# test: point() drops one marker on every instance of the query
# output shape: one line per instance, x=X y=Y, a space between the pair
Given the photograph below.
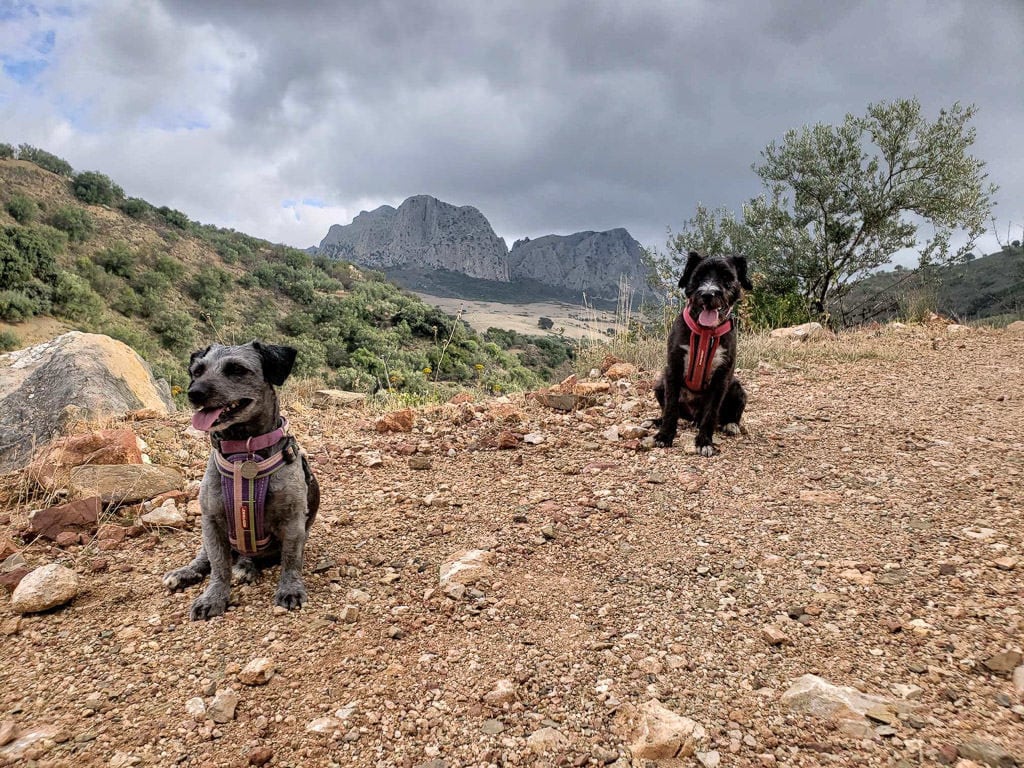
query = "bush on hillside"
x=16 y=307
x=8 y=341
x=75 y=299
x=136 y=207
x=45 y=160
x=75 y=221
x=175 y=330
x=23 y=209
x=173 y=217
x=6 y=151
x=117 y=259
x=96 y=188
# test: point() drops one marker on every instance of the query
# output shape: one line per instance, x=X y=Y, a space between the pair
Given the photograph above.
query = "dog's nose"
x=197 y=393
x=710 y=296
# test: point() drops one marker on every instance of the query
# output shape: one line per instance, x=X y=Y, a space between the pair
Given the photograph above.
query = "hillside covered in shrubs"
x=73 y=247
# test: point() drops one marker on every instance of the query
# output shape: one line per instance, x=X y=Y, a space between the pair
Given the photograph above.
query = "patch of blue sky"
x=23 y=71
x=43 y=42
x=13 y=9
x=307 y=202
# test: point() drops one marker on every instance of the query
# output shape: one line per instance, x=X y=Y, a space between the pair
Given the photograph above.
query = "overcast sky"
x=282 y=118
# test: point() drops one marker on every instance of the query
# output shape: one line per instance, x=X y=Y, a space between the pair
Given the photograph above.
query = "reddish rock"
x=608 y=362
x=406 y=449
x=111 y=532
x=618 y=371
x=396 y=421
x=74 y=516
x=7 y=548
x=12 y=578
x=507 y=440
x=67 y=539
x=98 y=565
x=261 y=756
x=51 y=466
x=504 y=412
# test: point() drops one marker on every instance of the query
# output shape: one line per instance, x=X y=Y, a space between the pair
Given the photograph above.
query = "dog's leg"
x=670 y=406
x=708 y=418
x=732 y=409
x=193 y=573
x=244 y=571
x=214 y=600
x=290 y=591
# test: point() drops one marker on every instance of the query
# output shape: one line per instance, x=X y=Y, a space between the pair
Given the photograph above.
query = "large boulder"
x=72 y=377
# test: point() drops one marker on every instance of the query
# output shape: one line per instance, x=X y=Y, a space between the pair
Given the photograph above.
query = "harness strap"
x=703 y=345
x=244 y=481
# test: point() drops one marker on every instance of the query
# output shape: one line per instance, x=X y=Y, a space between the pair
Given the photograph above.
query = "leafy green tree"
x=842 y=199
x=6 y=151
x=96 y=188
x=117 y=259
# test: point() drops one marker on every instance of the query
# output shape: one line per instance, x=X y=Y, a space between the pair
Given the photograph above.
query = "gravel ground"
x=862 y=517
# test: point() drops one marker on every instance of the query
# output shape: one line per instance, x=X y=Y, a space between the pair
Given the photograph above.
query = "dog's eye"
x=198 y=371
x=234 y=369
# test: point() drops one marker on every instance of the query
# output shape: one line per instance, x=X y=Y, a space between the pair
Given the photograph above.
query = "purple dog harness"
x=244 y=477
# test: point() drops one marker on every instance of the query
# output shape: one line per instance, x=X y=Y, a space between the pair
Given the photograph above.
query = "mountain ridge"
x=425 y=233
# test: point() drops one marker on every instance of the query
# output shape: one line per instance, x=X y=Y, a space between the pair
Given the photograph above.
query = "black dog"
x=698 y=382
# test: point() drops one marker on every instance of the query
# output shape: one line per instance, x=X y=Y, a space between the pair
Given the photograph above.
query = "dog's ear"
x=739 y=263
x=692 y=261
x=196 y=355
x=277 y=361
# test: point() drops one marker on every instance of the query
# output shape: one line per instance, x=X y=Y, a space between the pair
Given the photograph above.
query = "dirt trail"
x=858 y=480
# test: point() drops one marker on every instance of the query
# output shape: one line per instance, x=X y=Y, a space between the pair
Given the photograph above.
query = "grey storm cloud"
x=548 y=117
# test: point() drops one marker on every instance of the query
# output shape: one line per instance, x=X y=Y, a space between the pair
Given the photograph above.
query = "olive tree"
x=842 y=200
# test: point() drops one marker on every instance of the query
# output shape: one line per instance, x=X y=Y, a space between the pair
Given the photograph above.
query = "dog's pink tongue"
x=708 y=318
x=203 y=420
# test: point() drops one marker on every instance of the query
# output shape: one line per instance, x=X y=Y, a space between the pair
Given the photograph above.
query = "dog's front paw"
x=182 y=578
x=663 y=439
x=209 y=604
x=732 y=429
x=244 y=571
x=290 y=596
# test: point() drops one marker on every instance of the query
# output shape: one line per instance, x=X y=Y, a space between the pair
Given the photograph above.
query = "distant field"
x=579 y=322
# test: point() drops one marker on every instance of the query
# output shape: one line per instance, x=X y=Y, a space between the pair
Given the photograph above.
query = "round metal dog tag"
x=249 y=469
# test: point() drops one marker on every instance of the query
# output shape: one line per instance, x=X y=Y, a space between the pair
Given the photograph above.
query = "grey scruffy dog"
x=232 y=389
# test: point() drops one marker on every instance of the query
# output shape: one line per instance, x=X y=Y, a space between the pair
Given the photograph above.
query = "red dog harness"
x=704 y=343
x=244 y=478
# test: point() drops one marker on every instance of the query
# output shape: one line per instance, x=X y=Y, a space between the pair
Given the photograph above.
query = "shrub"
x=173 y=217
x=75 y=299
x=22 y=208
x=96 y=188
x=45 y=160
x=175 y=330
x=29 y=253
x=75 y=221
x=9 y=340
x=136 y=207
x=6 y=151
x=116 y=259
x=16 y=307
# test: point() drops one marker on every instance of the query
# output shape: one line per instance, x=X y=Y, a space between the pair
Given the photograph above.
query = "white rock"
x=611 y=434
x=370 y=458
x=801 y=332
x=504 y=692
x=546 y=740
x=196 y=709
x=709 y=759
x=45 y=588
x=816 y=696
x=465 y=567
x=323 y=725
x=257 y=672
x=222 y=708
x=533 y=438
x=358 y=596
x=661 y=733
x=165 y=516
